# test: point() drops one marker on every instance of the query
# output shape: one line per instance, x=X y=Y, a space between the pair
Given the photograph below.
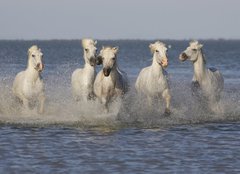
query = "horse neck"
x=87 y=64
x=199 y=67
x=89 y=67
x=156 y=68
x=31 y=74
x=114 y=71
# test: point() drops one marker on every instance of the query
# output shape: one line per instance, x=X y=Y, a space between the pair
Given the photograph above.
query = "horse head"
x=159 y=51
x=90 y=50
x=35 y=57
x=108 y=57
x=192 y=52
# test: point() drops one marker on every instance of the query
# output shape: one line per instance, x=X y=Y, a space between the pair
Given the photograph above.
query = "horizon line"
x=124 y=39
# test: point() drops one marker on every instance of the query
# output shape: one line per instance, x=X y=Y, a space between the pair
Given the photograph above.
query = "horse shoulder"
x=143 y=74
x=19 y=79
x=18 y=83
x=76 y=74
x=76 y=77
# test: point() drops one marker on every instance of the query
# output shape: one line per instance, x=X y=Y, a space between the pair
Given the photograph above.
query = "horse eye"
x=157 y=51
x=86 y=50
x=113 y=58
x=194 y=49
x=33 y=55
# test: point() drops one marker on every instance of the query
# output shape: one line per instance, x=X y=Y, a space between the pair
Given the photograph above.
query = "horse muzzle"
x=92 y=61
x=39 y=67
x=106 y=71
x=164 y=63
x=183 y=57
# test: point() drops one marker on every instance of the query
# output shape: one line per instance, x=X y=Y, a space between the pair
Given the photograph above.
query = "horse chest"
x=156 y=84
x=108 y=86
x=32 y=89
x=87 y=81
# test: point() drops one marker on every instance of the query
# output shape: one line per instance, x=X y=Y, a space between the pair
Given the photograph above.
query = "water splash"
x=132 y=110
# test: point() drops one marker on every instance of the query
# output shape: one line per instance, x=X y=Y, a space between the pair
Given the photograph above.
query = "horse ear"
x=115 y=49
x=102 y=47
x=95 y=43
x=200 y=45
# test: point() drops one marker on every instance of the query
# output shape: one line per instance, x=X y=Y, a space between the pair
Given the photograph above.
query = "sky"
x=119 y=19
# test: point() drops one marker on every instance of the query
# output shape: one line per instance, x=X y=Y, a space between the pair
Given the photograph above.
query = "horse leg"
x=195 y=87
x=105 y=103
x=150 y=103
x=41 y=99
x=166 y=95
x=25 y=104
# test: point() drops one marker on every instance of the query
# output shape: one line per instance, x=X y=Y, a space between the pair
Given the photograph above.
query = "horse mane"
x=86 y=42
x=33 y=48
x=155 y=43
x=203 y=56
x=107 y=47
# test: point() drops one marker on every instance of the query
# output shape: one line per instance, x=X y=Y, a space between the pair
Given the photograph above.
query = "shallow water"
x=73 y=138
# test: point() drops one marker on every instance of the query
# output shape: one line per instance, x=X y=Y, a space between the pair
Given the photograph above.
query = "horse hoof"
x=167 y=112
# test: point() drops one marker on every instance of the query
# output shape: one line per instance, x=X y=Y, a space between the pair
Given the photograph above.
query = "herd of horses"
x=111 y=82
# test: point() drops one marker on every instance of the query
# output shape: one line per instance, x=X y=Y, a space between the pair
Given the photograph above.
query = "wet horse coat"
x=110 y=82
x=206 y=82
x=28 y=85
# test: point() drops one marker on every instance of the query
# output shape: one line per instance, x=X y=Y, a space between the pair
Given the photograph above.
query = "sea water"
x=75 y=137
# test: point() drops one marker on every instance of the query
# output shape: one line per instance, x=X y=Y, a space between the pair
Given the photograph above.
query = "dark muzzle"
x=183 y=57
x=106 y=71
x=92 y=61
x=39 y=67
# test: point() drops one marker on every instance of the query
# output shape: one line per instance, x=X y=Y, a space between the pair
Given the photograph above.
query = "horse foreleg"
x=149 y=101
x=26 y=104
x=166 y=95
x=41 y=99
x=105 y=103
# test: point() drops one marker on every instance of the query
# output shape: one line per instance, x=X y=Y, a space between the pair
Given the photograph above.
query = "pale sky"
x=119 y=19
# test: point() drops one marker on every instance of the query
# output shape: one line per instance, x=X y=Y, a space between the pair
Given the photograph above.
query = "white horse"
x=28 y=85
x=110 y=82
x=83 y=78
x=210 y=81
x=152 y=80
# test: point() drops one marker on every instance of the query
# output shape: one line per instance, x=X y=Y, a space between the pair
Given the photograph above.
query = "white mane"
x=33 y=48
x=156 y=45
x=195 y=44
x=87 y=42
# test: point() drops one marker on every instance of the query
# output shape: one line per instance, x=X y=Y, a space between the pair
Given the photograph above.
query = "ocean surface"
x=75 y=137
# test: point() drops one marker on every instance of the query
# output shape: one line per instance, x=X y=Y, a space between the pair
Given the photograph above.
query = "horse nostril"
x=38 y=65
x=184 y=55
